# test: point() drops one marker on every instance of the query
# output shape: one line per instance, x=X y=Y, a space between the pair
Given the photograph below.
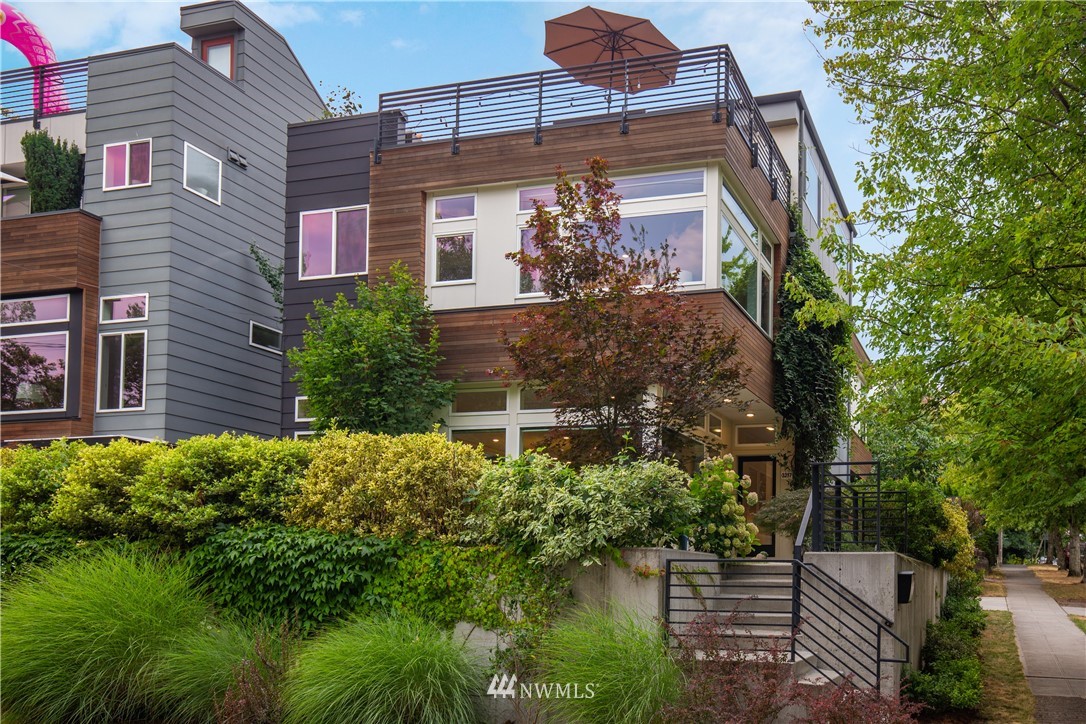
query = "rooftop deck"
x=706 y=78
x=46 y=90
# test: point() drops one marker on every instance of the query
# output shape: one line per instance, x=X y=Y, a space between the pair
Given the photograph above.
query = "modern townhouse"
x=145 y=308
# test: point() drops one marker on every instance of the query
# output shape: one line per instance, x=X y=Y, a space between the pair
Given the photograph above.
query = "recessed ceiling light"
x=750 y=414
x=716 y=430
x=498 y=439
x=770 y=428
x=565 y=437
x=727 y=399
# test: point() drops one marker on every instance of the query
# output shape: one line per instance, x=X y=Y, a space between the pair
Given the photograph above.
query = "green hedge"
x=949 y=678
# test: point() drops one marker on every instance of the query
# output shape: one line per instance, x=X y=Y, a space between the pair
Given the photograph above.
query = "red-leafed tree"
x=628 y=360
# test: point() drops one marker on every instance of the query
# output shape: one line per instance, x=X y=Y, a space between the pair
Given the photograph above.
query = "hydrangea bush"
x=721 y=526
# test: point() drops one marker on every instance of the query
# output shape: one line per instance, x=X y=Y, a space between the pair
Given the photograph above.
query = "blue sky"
x=373 y=47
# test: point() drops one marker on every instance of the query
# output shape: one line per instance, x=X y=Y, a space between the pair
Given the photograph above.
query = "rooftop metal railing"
x=45 y=90
x=706 y=78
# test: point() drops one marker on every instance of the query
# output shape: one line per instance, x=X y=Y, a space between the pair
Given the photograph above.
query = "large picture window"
x=682 y=233
x=34 y=354
x=203 y=174
x=658 y=210
x=746 y=262
x=125 y=165
x=33 y=372
x=122 y=365
x=334 y=242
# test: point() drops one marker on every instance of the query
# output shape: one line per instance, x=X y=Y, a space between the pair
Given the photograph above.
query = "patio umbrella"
x=605 y=41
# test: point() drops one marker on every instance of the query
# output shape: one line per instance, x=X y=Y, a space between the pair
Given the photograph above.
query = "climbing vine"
x=812 y=357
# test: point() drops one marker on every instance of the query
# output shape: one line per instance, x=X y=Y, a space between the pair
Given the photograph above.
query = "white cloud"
x=352 y=17
x=82 y=28
x=406 y=44
x=282 y=15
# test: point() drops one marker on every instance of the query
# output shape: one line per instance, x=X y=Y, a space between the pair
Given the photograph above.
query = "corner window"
x=122 y=365
x=219 y=54
x=746 y=262
x=334 y=242
x=203 y=174
x=265 y=337
x=125 y=165
x=124 y=308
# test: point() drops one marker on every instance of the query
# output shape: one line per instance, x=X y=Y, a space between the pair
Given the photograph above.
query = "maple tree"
x=628 y=361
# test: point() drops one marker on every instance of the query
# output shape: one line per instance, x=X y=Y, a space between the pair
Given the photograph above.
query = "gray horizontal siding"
x=327 y=167
x=190 y=254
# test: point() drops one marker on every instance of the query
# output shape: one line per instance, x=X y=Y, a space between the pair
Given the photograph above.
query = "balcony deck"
x=707 y=78
x=42 y=91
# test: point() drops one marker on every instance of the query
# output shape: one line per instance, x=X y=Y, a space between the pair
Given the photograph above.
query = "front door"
x=762 y=470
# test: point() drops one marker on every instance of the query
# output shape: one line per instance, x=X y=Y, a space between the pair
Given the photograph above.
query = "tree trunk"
x=1052 y=547
x=999 y=554
x=1074 y=567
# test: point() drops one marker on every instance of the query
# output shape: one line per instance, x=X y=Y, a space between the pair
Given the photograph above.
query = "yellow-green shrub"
x=955 y=536
x=29 y=477
x=93 y=500
x=388 y=486
x=212 y=480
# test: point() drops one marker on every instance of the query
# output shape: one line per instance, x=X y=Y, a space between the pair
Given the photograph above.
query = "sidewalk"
x=1052 y=649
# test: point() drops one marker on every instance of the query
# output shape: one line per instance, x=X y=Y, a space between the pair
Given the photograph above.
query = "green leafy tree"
x=340 y=101
x=54 y=172
x=976 y=115
x=812 y=358
x=369 y=366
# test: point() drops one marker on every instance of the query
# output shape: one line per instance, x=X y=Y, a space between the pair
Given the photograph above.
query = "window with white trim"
x=658 y=210
x=123 y=308
x=34 y=354
x=334 y=242
x=126 y=164
x=122 y=368
x=301 y=410
x=202 y=174
x=746 y=261
x=265 y=337
x=453 y=246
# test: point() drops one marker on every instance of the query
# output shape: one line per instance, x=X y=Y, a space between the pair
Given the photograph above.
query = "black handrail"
x=842 y=634
x=700 y=78
x=45 y=90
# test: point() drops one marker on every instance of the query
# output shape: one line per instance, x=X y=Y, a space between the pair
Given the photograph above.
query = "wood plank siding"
x=51 y=253
x=401 y=182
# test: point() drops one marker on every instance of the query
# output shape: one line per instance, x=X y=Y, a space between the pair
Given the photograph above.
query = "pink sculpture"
x=16 y=28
